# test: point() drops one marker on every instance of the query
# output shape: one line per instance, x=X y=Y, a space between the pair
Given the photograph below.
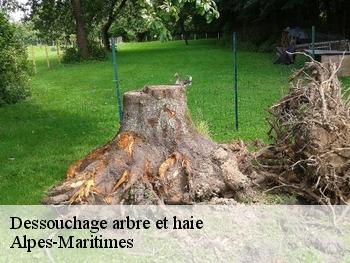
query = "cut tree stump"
x=158 y=157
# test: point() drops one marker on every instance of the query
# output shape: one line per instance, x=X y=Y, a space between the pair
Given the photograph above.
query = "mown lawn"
x=73 y=107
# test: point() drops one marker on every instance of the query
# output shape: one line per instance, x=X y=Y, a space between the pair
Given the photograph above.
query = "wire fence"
x=54 y=50
x=212 y=106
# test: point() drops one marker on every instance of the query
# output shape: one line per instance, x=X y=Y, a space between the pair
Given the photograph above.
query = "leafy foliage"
x=28 y=35
x=97 y=51
x=259 y=21
x=72 y=55
x=53 y=18
x=7 y=6
x=14 y=85
x=130 y=25
x=159 y=14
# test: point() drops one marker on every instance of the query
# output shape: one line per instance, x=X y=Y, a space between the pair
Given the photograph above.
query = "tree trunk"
x=80 y=28
x=157 y=157
x=111 y=17
x=105 y=37
x=183 y=30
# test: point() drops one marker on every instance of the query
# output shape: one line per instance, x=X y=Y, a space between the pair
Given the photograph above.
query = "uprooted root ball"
x=311 y=131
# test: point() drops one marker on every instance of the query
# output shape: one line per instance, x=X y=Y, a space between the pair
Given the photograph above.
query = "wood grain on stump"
x=157 y=157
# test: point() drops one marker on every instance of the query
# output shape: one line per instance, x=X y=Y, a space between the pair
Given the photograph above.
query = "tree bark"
x=158 y=157
x=113 y=11
x=82 y=41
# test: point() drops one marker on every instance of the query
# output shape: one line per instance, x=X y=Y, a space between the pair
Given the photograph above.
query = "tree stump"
x=158 y=157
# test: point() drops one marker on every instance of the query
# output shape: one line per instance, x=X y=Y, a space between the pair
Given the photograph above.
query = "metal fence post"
x=234 y=40
x=116 y=80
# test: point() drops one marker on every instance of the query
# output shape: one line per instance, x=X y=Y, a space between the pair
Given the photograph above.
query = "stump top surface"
x=146 y=89
x=158 y=92
x=162 y=87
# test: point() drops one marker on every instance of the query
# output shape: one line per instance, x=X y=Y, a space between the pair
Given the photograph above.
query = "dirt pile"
x=310 y=128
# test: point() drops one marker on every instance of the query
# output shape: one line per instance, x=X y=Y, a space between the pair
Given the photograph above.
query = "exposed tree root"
x=157 y=157
x=310 y=127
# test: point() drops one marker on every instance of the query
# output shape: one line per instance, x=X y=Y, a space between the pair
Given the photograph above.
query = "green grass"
x=73 y=107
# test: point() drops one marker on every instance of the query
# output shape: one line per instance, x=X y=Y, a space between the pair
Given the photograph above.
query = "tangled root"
x=310 y=128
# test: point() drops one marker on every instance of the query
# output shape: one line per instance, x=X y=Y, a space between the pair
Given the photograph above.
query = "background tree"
x=257 y=21
x=130 y=25
x=185 y=20
x=115 y=8
x=262 y=20
x=82 y=38
x=7 y=6
x=160 y=14
x=52 y=19
x=14 y=85
x=89 y=15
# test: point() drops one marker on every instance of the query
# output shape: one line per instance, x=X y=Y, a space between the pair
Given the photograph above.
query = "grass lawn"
x=73 y=107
